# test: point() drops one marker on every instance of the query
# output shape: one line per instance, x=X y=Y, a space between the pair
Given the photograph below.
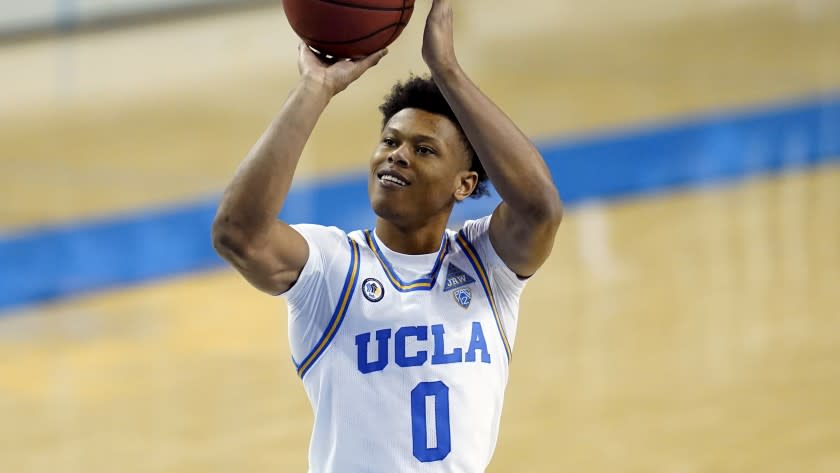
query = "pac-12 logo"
x=463 y=297
x=373 y=290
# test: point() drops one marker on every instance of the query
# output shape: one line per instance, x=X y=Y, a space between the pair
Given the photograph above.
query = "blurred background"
x=687 y=321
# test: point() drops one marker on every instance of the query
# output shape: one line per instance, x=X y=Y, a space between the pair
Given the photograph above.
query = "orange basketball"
x=348 y=28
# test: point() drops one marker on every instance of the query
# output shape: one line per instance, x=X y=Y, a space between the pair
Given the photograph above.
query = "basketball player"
x=402 y=334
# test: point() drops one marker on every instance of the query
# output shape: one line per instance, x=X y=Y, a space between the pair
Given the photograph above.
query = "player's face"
x=419 y=169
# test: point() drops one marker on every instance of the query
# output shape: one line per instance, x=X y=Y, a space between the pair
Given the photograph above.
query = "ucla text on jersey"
x=419 y=333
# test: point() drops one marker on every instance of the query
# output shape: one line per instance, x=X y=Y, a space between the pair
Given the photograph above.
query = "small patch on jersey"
x=456 y=277
x=463 y=297
x=373 y=290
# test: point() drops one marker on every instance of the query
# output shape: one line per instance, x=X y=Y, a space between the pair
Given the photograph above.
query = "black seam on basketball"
x=347 y=41
x=397 y=30
x=362 y=7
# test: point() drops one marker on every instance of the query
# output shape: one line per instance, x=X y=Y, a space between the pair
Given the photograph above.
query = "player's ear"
x=465 y=184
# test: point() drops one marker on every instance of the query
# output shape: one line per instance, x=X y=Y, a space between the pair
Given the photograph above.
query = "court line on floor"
x=53 y=262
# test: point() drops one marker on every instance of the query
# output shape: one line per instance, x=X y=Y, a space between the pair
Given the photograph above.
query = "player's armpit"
x=271 y=262
x=523 y=241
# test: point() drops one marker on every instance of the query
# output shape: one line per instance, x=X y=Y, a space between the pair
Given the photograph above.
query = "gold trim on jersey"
x=476 y=263
x=340 y=310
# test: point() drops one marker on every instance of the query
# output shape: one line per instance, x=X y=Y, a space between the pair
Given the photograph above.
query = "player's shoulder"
x=472 y=237
x=473 y=230
x=320 y=234
x=473 y=241
x=329 y=244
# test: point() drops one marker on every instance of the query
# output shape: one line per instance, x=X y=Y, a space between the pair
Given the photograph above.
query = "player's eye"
x=425 y=150
x=389 y=142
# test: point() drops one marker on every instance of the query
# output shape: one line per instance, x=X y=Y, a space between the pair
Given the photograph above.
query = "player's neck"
x=411 y=240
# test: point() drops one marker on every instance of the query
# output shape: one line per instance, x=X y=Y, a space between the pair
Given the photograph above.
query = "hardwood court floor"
x=690 y=332
x=697 y=332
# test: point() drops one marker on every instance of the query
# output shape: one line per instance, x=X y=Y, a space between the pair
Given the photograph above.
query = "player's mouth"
x=392 y=180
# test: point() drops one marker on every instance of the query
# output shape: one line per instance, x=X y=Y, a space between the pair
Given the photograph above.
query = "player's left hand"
x=438 y=39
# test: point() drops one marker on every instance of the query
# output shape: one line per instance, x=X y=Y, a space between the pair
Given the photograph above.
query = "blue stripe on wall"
x=53 y=262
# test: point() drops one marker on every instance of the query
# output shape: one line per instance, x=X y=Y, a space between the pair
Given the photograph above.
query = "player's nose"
x=399 y=156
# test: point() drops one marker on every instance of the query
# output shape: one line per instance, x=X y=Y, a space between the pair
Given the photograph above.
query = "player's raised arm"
x=523 y=227
x=246 y=232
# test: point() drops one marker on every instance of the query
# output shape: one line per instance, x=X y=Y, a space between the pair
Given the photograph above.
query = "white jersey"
x=404 y=357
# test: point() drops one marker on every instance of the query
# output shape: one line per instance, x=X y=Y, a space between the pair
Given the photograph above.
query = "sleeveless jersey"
x=409 y=375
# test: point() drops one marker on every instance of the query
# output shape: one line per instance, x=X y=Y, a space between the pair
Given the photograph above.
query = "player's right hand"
x=334 y=77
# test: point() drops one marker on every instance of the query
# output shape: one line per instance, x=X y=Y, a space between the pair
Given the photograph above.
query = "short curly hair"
x=422 y=93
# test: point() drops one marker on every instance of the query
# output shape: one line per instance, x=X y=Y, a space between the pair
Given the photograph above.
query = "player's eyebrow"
x=416 y=136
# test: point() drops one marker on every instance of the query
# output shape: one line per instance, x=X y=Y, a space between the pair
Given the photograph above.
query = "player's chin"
x=387 y=207
x=394 y=208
